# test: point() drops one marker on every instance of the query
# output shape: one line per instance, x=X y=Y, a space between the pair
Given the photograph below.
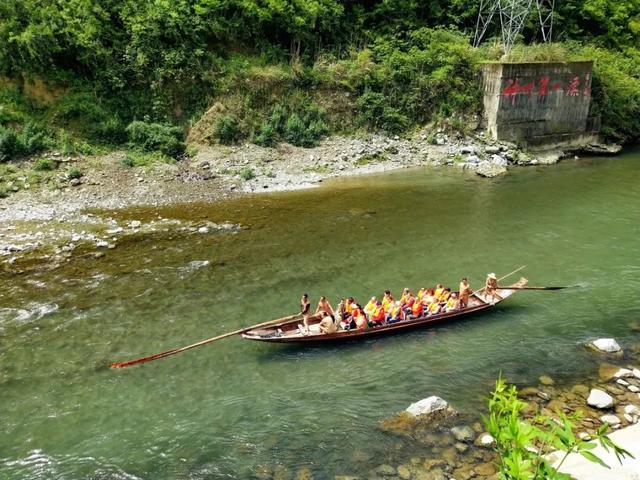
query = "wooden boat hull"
x=288 y=332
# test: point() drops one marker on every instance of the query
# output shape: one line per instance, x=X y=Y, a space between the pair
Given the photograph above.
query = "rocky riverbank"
x=456 y=446
x=74 y=185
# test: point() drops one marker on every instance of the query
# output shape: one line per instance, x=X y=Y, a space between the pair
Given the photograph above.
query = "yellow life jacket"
x=433 y=308
x=369 y=307
x=438 y=293
x=445 y=296
x=378 y=313
x=386 y=303
x=451 y=304
x=348 y=308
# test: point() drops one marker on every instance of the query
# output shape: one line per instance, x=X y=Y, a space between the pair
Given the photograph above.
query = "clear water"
x=232 y=408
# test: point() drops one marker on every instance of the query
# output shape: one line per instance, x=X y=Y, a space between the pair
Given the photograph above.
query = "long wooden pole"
x=202 y=342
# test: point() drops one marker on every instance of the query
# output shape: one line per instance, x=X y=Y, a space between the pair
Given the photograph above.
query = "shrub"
x=144 y=159
x=266 y=135
x=374 y=111
x=74 y=173
x=33 y=139
x=306 y=128
x=44 y=165
x=152 y=137
x=227 y=130
x=521 y=445
x=10 y=145
x=4 y=191
x=247 y=173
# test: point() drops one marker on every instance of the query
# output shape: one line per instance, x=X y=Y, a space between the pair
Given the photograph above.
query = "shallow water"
x=232 y=408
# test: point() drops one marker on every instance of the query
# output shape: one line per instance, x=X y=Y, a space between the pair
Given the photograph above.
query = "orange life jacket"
x=378 y=314
x=416 y=309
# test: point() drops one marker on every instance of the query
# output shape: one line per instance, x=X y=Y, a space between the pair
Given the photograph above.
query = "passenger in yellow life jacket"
x=445 y=295
x=439 y=291
x=452 y=304
x=434 y=308
x=406 y=293
x=348 y=307
x=369 y=307
x=421 y=293
x=377 y=316
x=387 y=301
x=396 y=313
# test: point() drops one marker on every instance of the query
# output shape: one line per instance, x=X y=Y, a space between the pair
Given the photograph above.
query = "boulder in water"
x=490 y=170
x=606 y=345
x=427 y=406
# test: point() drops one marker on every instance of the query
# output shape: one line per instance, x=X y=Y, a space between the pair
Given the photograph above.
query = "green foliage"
x=44 y=165
x=521 y=445
x=74 y=173
x=30 y=140
x=374 y=111
x=152 y=137
x=247 y=173
x=227 y=130
x=9 y=144
x=137 y=158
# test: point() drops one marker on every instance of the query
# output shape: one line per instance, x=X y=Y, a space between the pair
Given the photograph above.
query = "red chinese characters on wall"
x=544 y=87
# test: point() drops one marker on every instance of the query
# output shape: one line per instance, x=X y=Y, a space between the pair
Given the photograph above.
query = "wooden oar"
x=203 y=342
x=540 y=288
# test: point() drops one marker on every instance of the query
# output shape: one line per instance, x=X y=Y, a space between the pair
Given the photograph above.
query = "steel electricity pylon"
x=512 y=15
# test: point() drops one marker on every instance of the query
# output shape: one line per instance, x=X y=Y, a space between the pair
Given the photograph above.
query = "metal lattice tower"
x=512 y=15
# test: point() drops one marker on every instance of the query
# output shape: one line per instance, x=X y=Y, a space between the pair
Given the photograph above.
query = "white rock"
x=463 y=433
x=203 y=230
x=468 y=149
x=636 y=373
x=135 y=224
x=610 y=419
x=623 y=373
x=492 y=149
x=608 y=345
x=634 y=389
x=498 y=160
x=485 y=440
x=473 y=159
x=599 y=399
x=628 y=418
x=102 y=244
x=631 y=410
x=622 y=382
x=427 y=406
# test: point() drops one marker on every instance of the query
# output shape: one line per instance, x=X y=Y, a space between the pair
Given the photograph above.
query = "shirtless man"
x=305 y=305
x=465 y=291
x=324 y=307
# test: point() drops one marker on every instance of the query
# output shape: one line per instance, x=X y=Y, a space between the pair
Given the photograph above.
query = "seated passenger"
x=421 y=294
x=396 y=314
x=348 y=307
x=439 y=290
x=429 y=296
x=434 y=308
x=405 y=296
x=408 y=305
x=453 y=303
x=416 y=309
x=377 y=316
x=327 y=325
x=359 y=318
x=445 y=295
x=369 y=307
x=387 y=300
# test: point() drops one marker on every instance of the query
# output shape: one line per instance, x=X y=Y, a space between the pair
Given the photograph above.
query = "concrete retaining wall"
x=539 y=103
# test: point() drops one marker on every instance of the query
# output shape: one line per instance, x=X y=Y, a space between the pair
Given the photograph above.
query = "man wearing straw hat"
x=490 y=287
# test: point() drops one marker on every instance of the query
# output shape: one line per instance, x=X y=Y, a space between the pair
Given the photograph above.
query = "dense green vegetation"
x=521 y=444
x=235 y=70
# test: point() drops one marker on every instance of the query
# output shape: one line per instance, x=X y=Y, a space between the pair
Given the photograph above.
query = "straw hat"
x=492 y=276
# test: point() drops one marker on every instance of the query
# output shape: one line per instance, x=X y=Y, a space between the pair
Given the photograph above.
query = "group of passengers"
x=350 y=315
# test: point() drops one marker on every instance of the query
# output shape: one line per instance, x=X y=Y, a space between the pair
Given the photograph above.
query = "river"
x=236 y=408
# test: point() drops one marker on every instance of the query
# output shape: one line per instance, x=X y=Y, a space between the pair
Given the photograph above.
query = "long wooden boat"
x=291 y=331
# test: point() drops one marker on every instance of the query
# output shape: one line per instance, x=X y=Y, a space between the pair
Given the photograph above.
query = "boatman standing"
x=490 y=287
x=465 y=291
x=305 y=305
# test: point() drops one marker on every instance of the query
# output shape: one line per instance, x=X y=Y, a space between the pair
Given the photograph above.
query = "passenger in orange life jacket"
x=416 y=309
x=377 y=316
x=359 y=318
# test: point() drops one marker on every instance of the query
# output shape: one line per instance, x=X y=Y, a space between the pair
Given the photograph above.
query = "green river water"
x=232 y=408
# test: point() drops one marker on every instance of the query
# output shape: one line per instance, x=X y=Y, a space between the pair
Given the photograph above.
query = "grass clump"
x=156 y=137
x=247 y=173
x=136 y=158
x=44 y=165
x=227 y=130
x=74 y=173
